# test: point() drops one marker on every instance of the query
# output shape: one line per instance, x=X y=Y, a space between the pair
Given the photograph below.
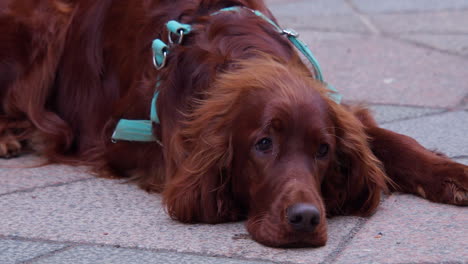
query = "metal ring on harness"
x=181 y=37
x=163 y=63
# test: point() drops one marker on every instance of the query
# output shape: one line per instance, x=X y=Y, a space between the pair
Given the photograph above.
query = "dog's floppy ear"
x=199 y=185
x=355 y=180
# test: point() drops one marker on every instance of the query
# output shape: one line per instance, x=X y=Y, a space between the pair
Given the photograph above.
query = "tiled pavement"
x=407 y=59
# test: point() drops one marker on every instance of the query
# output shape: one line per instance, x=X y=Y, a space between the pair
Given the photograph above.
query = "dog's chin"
x=282 y=236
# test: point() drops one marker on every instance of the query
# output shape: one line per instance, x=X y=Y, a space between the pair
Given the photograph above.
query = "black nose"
x=303 y=217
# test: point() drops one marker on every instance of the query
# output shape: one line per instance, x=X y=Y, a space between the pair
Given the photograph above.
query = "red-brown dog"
x=245 y=131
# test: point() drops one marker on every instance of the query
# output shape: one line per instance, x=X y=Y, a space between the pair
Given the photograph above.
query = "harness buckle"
x=290 y=32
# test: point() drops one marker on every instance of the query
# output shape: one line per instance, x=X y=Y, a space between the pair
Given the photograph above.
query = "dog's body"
x=244 y=134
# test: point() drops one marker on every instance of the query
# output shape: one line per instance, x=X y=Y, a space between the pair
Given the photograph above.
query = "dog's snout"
x=303 y=217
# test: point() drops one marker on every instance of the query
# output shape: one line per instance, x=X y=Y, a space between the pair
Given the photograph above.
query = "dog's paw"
x=451 y=185
x=10 y=147
x=458 y=193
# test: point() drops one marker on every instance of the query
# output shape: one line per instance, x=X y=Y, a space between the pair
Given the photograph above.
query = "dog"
x=240 y=128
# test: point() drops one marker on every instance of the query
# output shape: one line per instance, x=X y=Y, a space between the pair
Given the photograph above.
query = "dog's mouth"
x=277 y=231
x=295 y=217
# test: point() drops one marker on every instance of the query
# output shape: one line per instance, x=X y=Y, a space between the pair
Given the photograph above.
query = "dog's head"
x=267 y=144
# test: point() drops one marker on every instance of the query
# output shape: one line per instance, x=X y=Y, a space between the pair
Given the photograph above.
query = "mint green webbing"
x=134 y=130
x=142 y=130
x=138 y=130
x=301 y=46
x=154 y=111
x=159 y=47
x=175 y=27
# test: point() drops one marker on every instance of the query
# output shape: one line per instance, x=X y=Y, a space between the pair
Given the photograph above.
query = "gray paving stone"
x=333 y=23
x=24 y=161
x=462 y=160
x=23 y=173
x=452 y=43
x=309 y=8
x=373 y=6
x=464 y=103
x=318 y=15
x=445 y=132
x=407 y=229
x=389 y=113
x=107 y=212
x=316 y=40
x=12 y=251
x=106 y=255
x=372 y=69
x=435 y=22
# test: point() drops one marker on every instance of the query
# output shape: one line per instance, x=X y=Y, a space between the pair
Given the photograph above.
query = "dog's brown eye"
x=264 y=144
x=322 y=150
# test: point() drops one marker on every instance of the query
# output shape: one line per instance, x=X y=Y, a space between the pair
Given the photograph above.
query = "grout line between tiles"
x=414 y=117
x=345 y=241
x=363 y=18
x=71 y=244
x=47 y=255
x=29 y=190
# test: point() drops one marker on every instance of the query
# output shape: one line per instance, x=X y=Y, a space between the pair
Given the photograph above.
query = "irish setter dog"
x=245 y=130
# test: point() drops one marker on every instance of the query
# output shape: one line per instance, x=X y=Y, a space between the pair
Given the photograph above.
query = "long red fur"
x=69 y=70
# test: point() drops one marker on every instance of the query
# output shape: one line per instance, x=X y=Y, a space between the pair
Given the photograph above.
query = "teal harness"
x=142 y=130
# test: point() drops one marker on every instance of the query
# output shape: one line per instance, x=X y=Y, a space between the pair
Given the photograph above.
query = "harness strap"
x=179 y=29
x=160 y=52
x=154 y=111
x=134 y=130
x=293 y=37
x=176 y=27
x=142 y=130
x=139 y=130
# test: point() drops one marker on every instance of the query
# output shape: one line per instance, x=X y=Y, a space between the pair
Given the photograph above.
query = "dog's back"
x=64 y=66
x=71 y=69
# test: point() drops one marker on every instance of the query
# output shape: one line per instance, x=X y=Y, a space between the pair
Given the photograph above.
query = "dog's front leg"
x=416 y=170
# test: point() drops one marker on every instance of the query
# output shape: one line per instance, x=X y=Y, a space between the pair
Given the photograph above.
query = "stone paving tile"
x=462 y=160
x=23 y=173
x=373 y=6
x=24 y=161
x=106 y=212
x=322 y=15
x=438 y=22
x=407 y=229
x=309 y=8
x=106 y=255
x=451 y=43
x=389 y=113
x=12 y=251
x=386 y=71
x=445 y=132
x=332 y=23
x=321 y=22
x=464 y=103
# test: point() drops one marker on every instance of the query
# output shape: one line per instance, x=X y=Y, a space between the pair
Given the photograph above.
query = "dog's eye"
x=264 y=144
x=322 y=150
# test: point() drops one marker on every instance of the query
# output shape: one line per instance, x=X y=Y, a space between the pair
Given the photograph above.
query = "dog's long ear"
x=199 y=187
x=355 y=180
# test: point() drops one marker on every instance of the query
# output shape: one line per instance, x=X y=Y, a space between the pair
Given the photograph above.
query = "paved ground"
x=407 y=58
